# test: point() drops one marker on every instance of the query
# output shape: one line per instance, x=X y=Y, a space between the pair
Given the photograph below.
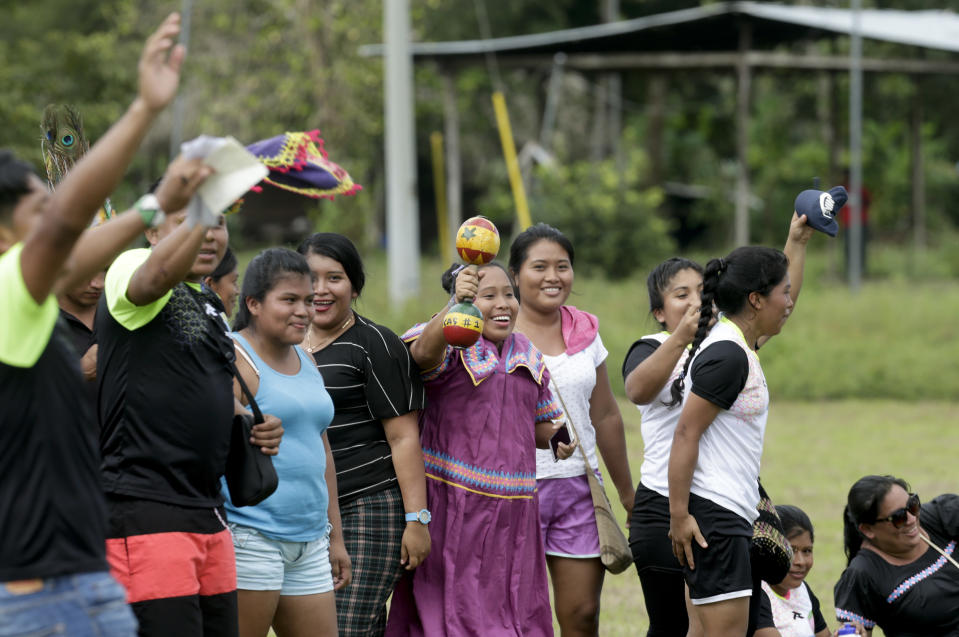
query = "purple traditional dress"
x=486 y=571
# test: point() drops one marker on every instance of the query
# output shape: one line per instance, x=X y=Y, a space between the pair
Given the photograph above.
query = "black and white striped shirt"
x=371 y=377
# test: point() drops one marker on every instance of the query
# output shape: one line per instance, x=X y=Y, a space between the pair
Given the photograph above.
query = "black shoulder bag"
x=250 y=474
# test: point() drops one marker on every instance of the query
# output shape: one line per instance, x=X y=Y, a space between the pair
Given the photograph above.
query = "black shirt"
x=83 y=338
x=638 y=352
x=52 y=515
x=371 y=377
x=917 y=599
x=166 y=401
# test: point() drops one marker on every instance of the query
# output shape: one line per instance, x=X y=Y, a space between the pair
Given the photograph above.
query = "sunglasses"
x=899 y=516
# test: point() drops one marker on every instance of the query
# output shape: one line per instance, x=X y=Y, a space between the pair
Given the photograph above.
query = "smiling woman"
x=283 y=545
x=541 y=259
x=488 y=407
x=902 y=575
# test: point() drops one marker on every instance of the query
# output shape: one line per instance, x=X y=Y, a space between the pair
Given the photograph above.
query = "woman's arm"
x=611 y=436
x=403 y=436
x=645 y=382
x=97 y=247
x=698 y=413
x=795 y=250
x=430 y=348
x=339 y=558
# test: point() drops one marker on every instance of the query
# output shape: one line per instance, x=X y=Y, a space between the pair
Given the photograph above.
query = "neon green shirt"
x=118 y=280
x=25 y=326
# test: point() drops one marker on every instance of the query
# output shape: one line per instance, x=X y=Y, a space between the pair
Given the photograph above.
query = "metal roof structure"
x=709 y=28
x=738 y=36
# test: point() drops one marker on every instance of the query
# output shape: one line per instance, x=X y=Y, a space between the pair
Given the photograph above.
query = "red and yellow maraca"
x=477 y=243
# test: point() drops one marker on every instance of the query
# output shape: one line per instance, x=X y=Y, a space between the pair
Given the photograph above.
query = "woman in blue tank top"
x=283 y=544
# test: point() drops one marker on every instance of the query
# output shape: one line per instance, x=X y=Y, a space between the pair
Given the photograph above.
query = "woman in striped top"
x=377 y=394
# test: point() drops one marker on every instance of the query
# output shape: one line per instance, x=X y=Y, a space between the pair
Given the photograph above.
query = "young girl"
x=283 y=544
x=714 y=461
x=653 y=361
x=541 y=260
x=377 y=395
x=488 y=406
x=795 y=610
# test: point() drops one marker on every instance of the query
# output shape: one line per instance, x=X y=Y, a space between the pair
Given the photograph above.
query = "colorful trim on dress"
x=846 y=615
x=921 y=575
x=445 y=468
x=480 y=360
x=548 y=410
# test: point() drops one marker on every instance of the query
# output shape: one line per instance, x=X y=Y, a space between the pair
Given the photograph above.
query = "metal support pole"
x=402 y=219
x=179 y=105
x=855 y=149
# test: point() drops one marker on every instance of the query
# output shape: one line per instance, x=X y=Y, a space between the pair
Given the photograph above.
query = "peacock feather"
x=63 y=144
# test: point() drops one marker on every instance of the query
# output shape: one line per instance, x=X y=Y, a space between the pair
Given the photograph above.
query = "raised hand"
x=159 y=67
x=467 y=284
x=180 y=181
x=799 y=231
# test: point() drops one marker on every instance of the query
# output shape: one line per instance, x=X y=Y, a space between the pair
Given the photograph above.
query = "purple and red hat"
x=299 y=163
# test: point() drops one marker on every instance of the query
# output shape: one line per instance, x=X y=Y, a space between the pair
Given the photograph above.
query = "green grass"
x=813 y=454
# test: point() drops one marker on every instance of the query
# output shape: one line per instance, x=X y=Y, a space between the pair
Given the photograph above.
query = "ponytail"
x=852 y=539
x=710 y=281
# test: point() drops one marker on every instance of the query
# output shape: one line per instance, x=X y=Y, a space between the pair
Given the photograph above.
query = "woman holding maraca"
x=488 y=406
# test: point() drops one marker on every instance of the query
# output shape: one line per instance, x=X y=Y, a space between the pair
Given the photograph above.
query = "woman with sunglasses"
x=902 y=575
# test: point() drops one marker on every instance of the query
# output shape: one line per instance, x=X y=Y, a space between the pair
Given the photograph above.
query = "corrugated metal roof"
x=713 y=28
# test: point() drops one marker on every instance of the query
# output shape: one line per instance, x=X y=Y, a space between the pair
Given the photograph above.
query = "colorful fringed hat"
x=298 y=163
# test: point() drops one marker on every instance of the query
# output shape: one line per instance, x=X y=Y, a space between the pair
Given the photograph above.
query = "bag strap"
x=246 y=356
x=938 y=550
x=257 y=414
x=569 y=419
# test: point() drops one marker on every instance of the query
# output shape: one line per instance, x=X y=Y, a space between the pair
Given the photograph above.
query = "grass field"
x=813 y=454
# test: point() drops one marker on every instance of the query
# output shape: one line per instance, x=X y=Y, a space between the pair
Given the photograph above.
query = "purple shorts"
x=566 y=518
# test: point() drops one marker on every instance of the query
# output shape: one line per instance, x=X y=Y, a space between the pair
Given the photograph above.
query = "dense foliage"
x=259 y=67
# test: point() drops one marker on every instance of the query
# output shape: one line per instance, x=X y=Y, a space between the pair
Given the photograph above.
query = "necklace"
x=310 y=347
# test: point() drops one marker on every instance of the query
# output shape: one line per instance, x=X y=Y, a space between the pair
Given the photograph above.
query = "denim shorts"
x=293 y=568
x=88 y=604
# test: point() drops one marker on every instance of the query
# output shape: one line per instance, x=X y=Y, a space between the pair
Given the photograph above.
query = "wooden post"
x=741 y=225
x=454 y=165
x=447 y=248
x=656 y=110
x=918 y=171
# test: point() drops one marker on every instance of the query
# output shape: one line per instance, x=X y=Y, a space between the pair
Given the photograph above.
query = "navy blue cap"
x=821 y=208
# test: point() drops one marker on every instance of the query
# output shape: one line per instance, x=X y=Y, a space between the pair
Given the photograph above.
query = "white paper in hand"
x=237 y=170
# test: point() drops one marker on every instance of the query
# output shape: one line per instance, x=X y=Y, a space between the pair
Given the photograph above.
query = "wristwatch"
x=422 y=516
x=149 y=208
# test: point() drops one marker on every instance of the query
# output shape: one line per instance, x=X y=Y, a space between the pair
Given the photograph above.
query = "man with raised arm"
x=53 y=571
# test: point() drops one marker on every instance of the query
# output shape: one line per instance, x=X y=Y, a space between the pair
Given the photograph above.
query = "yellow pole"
x=439 y=188
x=512 y=163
